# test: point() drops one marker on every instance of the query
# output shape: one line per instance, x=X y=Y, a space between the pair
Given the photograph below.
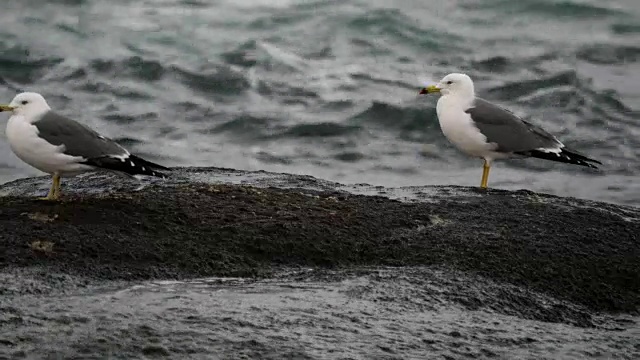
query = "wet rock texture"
x=584 y=252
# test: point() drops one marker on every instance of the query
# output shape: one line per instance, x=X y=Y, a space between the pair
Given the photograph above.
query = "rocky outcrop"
x=220 y=222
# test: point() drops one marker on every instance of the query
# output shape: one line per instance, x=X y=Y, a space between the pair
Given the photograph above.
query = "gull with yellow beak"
x=482 y=129
x=60 y=146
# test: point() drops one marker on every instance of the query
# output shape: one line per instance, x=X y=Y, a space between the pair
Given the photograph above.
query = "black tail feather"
x=131 y=165
x=565 y=156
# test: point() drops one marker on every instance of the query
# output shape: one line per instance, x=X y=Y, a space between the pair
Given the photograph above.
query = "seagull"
x=485 y=130
x=60 y=146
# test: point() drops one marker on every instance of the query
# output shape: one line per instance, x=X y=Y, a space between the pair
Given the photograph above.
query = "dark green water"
x=328 y=88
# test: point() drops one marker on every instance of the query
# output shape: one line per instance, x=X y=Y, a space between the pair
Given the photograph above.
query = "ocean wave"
x=19 y=65
x=394 y=117
x=134 y=67
x=609 y=54
x=526 y=87
x=625 y=28
x=325 y=129
x=125 y=119
x=393 y=24
x=215 y=79
x=119 y=90
x=548 y=8
x=246 y=126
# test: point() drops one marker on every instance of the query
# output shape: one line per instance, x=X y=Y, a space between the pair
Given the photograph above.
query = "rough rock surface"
x=221 y=222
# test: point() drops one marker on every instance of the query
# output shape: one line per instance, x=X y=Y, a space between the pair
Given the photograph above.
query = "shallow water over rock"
x=387 y=313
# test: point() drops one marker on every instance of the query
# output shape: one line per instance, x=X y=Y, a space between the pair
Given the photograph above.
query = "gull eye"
x=449 y=82
x=24 y=102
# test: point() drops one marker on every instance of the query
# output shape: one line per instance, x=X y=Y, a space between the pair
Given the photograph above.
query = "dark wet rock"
x=219 y=222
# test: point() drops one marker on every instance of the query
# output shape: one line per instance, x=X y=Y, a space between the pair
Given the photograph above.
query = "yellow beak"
x=429 y=90
x=6 y=108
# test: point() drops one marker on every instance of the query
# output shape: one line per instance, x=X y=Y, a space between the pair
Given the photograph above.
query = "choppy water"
x=366 y=314
x=328 y=88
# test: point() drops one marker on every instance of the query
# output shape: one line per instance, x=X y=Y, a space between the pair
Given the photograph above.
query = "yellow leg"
x=56 y=183
x=485 y=174
x=54 y=191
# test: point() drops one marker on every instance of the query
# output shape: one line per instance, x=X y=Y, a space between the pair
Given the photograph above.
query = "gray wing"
x=78 y=139
x=509 y=132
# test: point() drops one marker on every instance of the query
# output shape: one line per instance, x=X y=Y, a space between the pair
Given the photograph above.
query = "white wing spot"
x=131 y=163
x=556 y=151
x=144 y=169
x=122 y=157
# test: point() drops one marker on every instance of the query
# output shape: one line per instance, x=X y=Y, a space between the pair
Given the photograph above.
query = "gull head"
x=454 y=84
x=28 y=104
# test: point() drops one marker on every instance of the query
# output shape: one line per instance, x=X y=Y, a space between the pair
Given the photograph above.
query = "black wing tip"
x=587 y=164
x=564 y=156
x=580 y=159
x=131 y=165
x=148 y=163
